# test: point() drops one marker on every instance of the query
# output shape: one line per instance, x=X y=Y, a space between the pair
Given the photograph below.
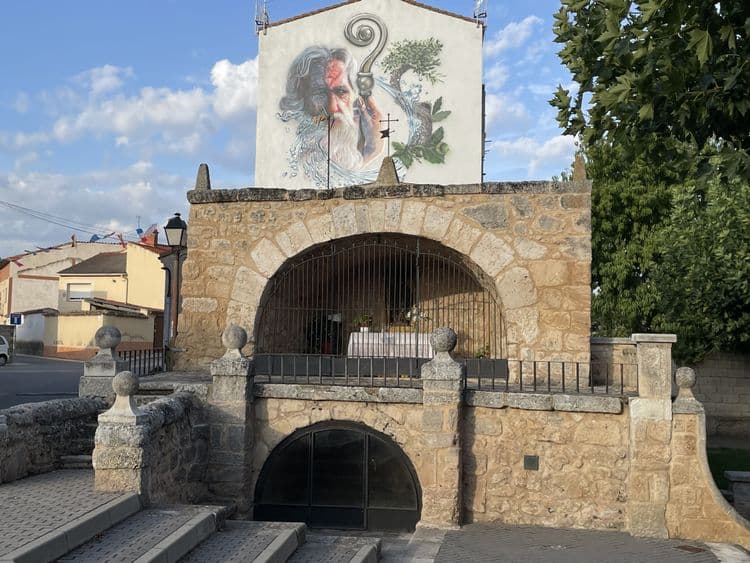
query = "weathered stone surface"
x=267 y=257
x=586 y=403
x=199 y=304
x=154 y=453
x=492 y=254
x=436 y=222
x=490 y=215
x=33 y=436
x=516 y=288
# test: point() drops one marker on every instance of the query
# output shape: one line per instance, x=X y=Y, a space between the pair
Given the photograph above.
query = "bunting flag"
x=122 y=240
x=385 y=133
x=145 y=236
x=95 y=238
x=18 y=263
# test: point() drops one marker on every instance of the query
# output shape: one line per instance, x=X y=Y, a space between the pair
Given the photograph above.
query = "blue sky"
x=107 y=108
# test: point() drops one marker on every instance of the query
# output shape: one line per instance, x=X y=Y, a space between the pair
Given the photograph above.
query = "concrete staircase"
x=122 y=531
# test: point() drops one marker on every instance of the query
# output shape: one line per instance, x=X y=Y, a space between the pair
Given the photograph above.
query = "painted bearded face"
x=345 y=131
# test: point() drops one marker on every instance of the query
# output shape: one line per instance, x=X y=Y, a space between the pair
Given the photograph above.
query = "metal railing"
x=482 y=374
x=144 y=362
x=555 y=376
x=321 y=369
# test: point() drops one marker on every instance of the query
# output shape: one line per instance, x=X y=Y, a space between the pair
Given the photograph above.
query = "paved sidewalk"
x=35 y=506
x=480 y=543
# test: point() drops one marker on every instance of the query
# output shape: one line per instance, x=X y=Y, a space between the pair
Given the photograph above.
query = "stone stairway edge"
x=283 y=545
x=187 y=537
x=70 y=535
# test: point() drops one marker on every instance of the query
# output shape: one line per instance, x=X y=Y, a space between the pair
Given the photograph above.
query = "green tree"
x=702 y=279
x=659 y=69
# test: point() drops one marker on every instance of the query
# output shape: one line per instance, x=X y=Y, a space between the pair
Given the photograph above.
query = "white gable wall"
x=459 y=86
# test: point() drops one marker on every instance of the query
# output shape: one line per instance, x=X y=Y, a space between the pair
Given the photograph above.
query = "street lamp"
x=176 y=231
x=176 y=234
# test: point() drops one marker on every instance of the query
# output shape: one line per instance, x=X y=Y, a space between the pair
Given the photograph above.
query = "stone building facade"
x=531 y=239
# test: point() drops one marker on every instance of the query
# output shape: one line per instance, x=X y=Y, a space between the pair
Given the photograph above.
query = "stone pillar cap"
x=655 y=338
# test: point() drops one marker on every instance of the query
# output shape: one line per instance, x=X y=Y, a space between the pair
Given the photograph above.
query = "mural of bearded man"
x=320 y=85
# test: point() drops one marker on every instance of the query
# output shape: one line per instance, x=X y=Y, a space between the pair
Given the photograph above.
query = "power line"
x=60 y=221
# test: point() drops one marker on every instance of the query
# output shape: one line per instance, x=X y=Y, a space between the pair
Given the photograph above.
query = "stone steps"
x=75 y=462
x=163 y=534
x=276 y=542
x=334 y=549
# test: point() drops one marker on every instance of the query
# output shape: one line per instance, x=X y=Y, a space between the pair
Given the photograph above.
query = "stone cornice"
x=197 y=197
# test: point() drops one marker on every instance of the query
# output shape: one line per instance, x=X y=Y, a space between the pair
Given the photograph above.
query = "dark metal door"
x=339 y=476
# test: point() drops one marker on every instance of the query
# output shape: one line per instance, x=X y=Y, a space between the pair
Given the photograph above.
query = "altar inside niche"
x=374 y=296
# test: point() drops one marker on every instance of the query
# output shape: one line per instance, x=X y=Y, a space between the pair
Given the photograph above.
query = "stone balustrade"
x=34 y=436
x=159 y=450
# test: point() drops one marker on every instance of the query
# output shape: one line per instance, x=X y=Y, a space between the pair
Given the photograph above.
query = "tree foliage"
x=664 y=69
x=702 y=278
x=422 y=56
x=663 y=115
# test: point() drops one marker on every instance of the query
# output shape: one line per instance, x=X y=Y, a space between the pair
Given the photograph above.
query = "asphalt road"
x=30 y=379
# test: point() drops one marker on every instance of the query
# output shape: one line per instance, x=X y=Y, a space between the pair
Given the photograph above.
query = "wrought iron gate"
x=365 y=306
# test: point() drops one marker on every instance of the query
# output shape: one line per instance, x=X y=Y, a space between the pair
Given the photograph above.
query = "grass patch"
x=727 y=459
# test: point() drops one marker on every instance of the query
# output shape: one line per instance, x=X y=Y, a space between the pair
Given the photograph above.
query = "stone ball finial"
x=125 y=384
x=443 y=339
x=107 y=337
x=685 y=378
x=234 y=337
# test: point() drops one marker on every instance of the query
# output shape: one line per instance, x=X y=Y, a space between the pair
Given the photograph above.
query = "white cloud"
x=236 y=87
x=108 y=199
x=104 y=79
x=555 y=152
x=161 y=119
x=502 y=109
x=512 y=36
x=496 y=76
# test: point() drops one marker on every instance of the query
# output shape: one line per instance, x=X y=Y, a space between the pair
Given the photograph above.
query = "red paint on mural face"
x=339 y=91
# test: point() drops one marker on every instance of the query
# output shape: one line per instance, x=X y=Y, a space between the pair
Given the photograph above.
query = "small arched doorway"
x=339 y=475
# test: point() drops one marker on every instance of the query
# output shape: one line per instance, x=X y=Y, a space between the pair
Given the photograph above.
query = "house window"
x=79 y=291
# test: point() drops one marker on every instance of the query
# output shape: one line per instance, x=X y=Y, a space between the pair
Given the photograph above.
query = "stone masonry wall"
x=33 y=436
x=583 y=466
x=532 y=238
x=163 y=458
x=696 y=508
x=723 y=386
x=277 y=418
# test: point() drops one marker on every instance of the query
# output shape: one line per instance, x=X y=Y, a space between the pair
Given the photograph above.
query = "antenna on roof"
x=480 y=12
x=261 y=17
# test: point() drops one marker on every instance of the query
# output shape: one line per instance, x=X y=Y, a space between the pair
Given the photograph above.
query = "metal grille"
x=364 y=308
x=144 y=362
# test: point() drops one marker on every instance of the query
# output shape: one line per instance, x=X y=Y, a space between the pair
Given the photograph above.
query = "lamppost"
x=176 y=233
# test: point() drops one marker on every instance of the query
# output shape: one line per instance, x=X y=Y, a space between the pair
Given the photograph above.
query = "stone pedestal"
x=100 y=370
x=119 y=458
x=231 y=415
x=650 y=437
x=442 y=383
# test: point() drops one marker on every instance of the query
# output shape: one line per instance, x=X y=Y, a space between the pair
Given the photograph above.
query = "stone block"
x=412 y=217
x=550 y=273
x=321 y=228
x=295 y=239
x=528 y=249
x=647 y=520
x=248 y=286
x=461 y=236
x=490 y=216
x=267 y=257
x=516 y=288
x=436 y=223
x=199 y=304
x=492 y=254
x=392 y=215
x=432 y=420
